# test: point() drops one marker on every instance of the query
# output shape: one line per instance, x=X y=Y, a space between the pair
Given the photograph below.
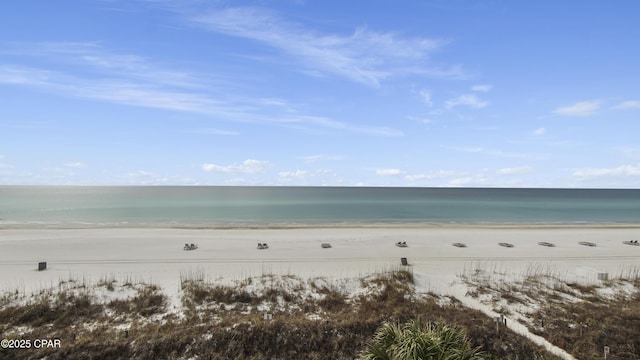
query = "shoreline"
x=329 y=225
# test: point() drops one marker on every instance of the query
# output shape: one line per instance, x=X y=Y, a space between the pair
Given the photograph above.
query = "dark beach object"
x=262 y=246
x=190 y=246
x=631 y=242
x=325 y=245
x=586 y=243
x=547 y=244
x=459 y=245
x=401 y=244
x=404 y=262
x=42 y=266
x=506 y=244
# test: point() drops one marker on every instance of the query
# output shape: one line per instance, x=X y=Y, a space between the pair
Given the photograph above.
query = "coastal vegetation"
x=420 y=340
x=580 y=317
x=287 y=317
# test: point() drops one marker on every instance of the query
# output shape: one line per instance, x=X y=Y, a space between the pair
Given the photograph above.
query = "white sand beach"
x=227 y=256
x=157 y=255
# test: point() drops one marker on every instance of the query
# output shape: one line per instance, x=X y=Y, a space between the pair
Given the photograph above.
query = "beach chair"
x=586 y=243
x=404 y=261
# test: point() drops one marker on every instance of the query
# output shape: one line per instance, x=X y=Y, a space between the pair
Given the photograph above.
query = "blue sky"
x=300 y=92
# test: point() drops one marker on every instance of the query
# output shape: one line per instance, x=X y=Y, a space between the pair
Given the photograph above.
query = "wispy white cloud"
x=470 y=100
x=4 y=165
x=129 y=80
x=423 y=120
x=425 y=95
x=629 y=151
x=376 y=131
x=388 y=172
x=147 y=178
x=500 y=153
x=76 y=164
x=98 y=59
x=539 y=131
x=299 y=174
x=212 y=131
x=440 y=174
x=521 y=170
x=141 y=175
x=249 y=166
x=115 y=89
x=629 y=104
x=152 y=97
x=19 y=75
x=478 y=180
x=482 y=88
x=321 y=157
x=306 y=177
x=279 y=103
x=583 y=108
x=364 y=56
x=311 y=122
x=457 y=182
x=623 y=170
x=470 y=149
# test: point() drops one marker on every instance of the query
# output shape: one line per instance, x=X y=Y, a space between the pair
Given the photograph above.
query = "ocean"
x=219 y=206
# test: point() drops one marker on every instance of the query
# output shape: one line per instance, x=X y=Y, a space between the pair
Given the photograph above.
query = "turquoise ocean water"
x=175 y=206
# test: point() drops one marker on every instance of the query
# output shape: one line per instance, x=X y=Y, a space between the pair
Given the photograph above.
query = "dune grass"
x=580 y=317
x=311 y=319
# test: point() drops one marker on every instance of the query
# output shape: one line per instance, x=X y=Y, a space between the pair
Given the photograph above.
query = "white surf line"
x=458 y=291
